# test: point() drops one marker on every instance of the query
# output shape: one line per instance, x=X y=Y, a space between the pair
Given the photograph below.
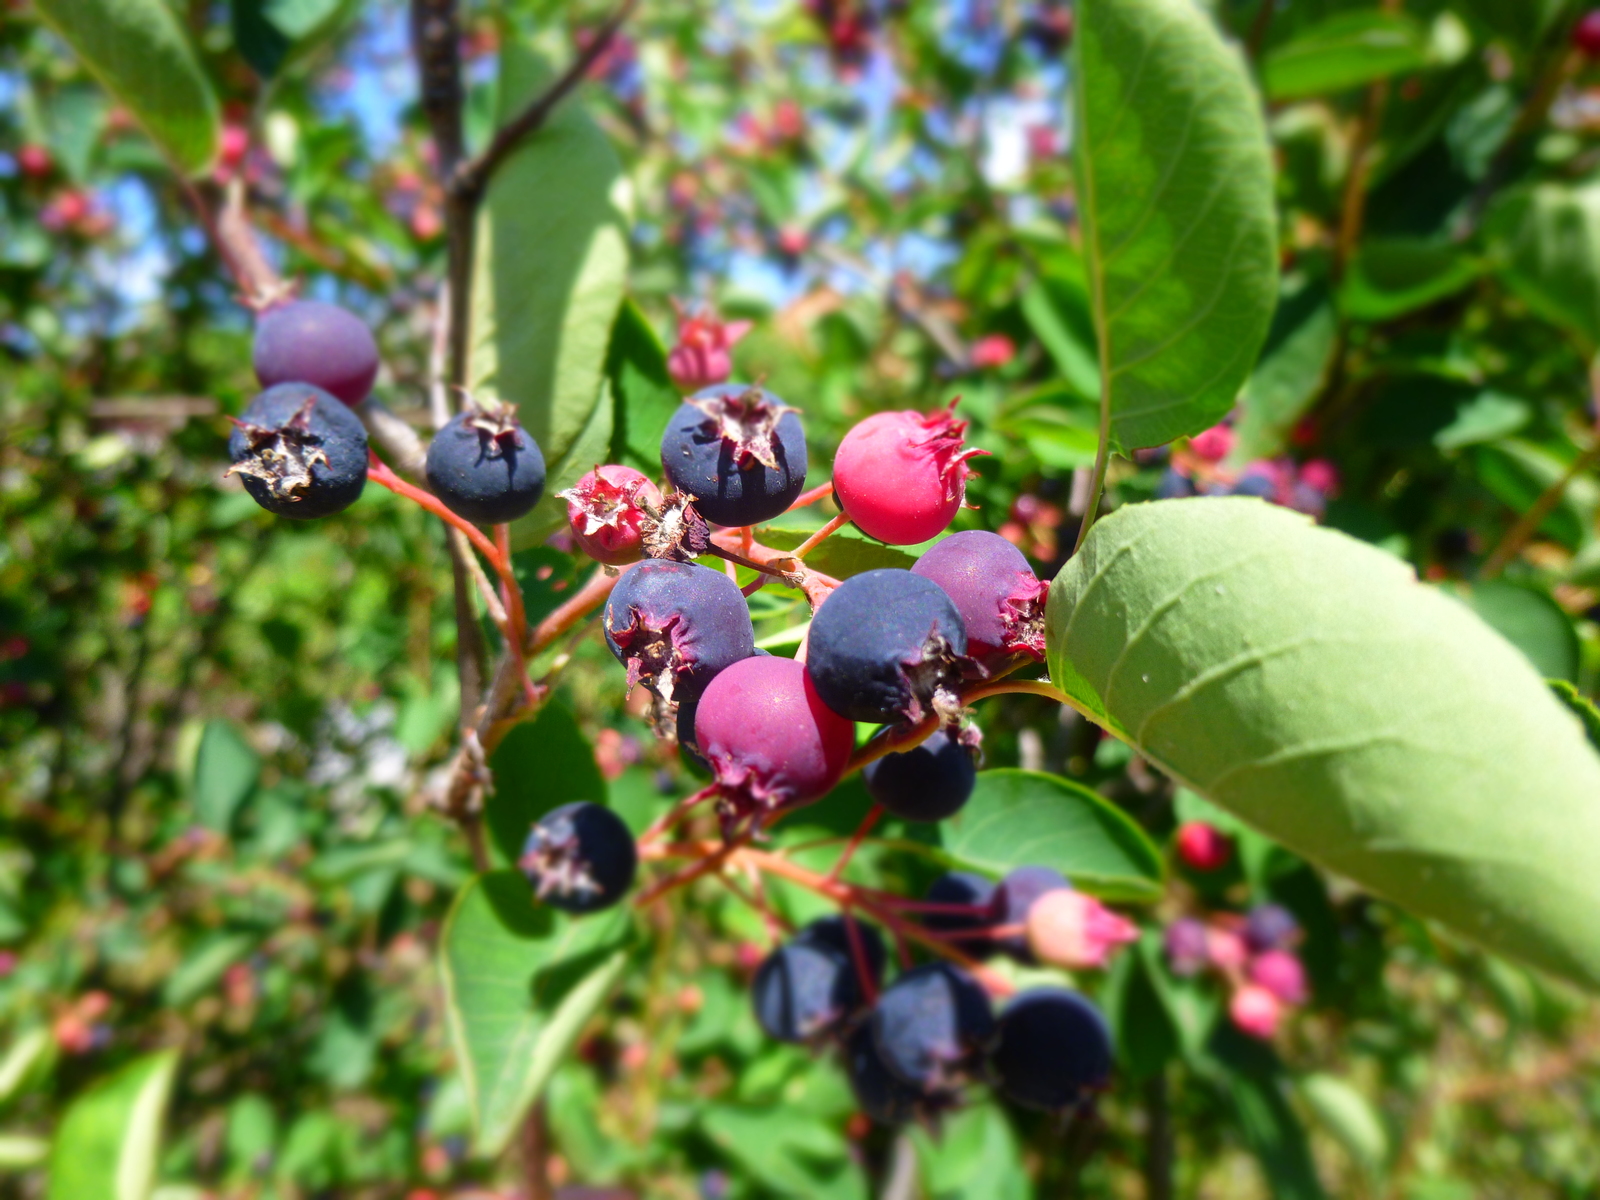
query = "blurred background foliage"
x=216 y=729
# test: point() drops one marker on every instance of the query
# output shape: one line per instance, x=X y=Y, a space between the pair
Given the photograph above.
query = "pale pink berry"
x=1280 y=973
x=1212 y=445
x=1255 y=1011
x=995 y=350
x=1203 y=846
x=1226 y=949
x=902 y=476
x=1069 y=929
x=1321 y=474
x=606 y=508
x=703 y=354
x=1186 y=942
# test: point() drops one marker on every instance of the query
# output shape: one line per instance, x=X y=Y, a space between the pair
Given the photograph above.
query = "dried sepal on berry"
x=747 y=422
x=943 y=438
x=282 y=458
x=674 y=530
x=1022 y=613
x=495 y=418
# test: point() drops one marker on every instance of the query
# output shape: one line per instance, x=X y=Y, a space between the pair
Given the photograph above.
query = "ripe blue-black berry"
x=1000 y=599
x=307 y=341
x=1052 y=1050
x=1175 y=485
x=977 y=895
x=300 y=452
x=932 y=1026
x=485 y=466
x=1014 y=900
x=579 y=857
x=926 y=783
x=885 y=646
x=1270 y=927
x=883 y=1097
x=810 y=986
x=676 y=625
x=738 y=450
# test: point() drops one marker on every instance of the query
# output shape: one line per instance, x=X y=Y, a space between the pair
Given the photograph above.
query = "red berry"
x=34 y=161
x=1586 y=34
x=995 y=350
x=1212 y=445
x=605 y=509
x=1204 y=847
x=1281 y=973
x=1255 y=1011
x=770 y=740
x=901 y=476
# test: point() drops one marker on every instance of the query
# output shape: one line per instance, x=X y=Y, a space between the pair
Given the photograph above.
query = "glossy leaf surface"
x=109 y=1140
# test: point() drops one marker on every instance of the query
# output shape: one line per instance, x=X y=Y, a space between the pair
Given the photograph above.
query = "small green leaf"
x=551 y=256
x=109 y=1139
x=976 y=1156
x=203 y=966
x=1179 y=226
x=1146 y=1033
x=1345 y=51
x=1024 y=818
x=225 y=773
x=1531 y=621
x=1299 y=352
x=1487 y=417
x=1391 y=277
x=636 y=364
x=1306 y=682
x=32 y=1053
x=793 y=1154
x=540 y=765
x=1349 y=1118
x=1546 y=240
x=139 y=52
x=521 y=980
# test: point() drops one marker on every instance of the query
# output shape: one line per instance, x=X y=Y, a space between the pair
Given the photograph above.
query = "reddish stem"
x=821 y=492
x=874 y=815
x=858 y=953
x=821 y=535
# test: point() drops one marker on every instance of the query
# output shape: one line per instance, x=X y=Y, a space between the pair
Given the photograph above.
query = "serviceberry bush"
x=954 y=599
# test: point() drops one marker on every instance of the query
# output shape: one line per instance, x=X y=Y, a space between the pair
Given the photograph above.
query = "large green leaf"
x=1175 y=188
x=1306 y=682
x=1547 y=243
x=521 y=980
x=139 y=52
x=1345 y=51
x=1021 y=818
x=551 y=259
x=110 y=1138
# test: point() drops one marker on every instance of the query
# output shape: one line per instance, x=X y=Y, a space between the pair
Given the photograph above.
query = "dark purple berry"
x=688 y=748
x=973 y=892
x=884 y=1098
x=926 y=783
x=676 y=625
x=1052 y=1050
x=885 y=646
x=932 y=1026
x=307 y=341
x=739 y=451
x=485 y=466
x=1270 y=927
x=579 y=857
x=1257 y=484
x=1187 y=946
x=1014 y=900
x=1175 y=485
x=810 y=986
x=1000 y=599
x=299 y=452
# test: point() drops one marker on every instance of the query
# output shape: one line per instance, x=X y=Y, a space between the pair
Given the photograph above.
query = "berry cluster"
x=1201 y=469
x=902 y=649
x=1254 y=954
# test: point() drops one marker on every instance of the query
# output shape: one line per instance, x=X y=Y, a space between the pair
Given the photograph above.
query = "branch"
x=471 y=178
x=1517 y=536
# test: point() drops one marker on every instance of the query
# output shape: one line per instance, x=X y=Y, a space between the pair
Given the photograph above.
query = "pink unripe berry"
x=1226 y=949
x=901 y=476
x=1212 y=445
x=1321 y=474
x=1255 y=1011
x=995 y=350
x=232 y=145
x=1186 y=943
x=1203 y=847
x=34 y=161
x=1280 y=973
x=703 y=354
x=1069 y=929
x=605 y=510
x=1586 y=34
x=769 y=739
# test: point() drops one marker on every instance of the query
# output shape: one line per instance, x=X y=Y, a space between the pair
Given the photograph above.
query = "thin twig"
x=1517 y=536
x=821 y=535
x=471 y=179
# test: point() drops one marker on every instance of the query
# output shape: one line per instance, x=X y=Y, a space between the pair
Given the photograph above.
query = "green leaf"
x=844 y=553
x=636 y=365
x=1021 y=818
x=109 y=1139
x=1250 y=1075
x=521 y=980
x=1299 y=352
x=1345 y=51
x=259 y=41
x=225 y=773
x=1180 y=233
x=551 y=257
x=1487 y=417
x=1546 y=241
x=792 y=1154
x=976 y=1156
x=1531 y=621
x=1391 y=277
x=540 y=765
x=203 y=966
x=139 y=52
x=1582 y=707
x=1147 y=1035
x=1306 y=682
x=1349 y=1118
x=30 y=1057
x=19 y=1151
